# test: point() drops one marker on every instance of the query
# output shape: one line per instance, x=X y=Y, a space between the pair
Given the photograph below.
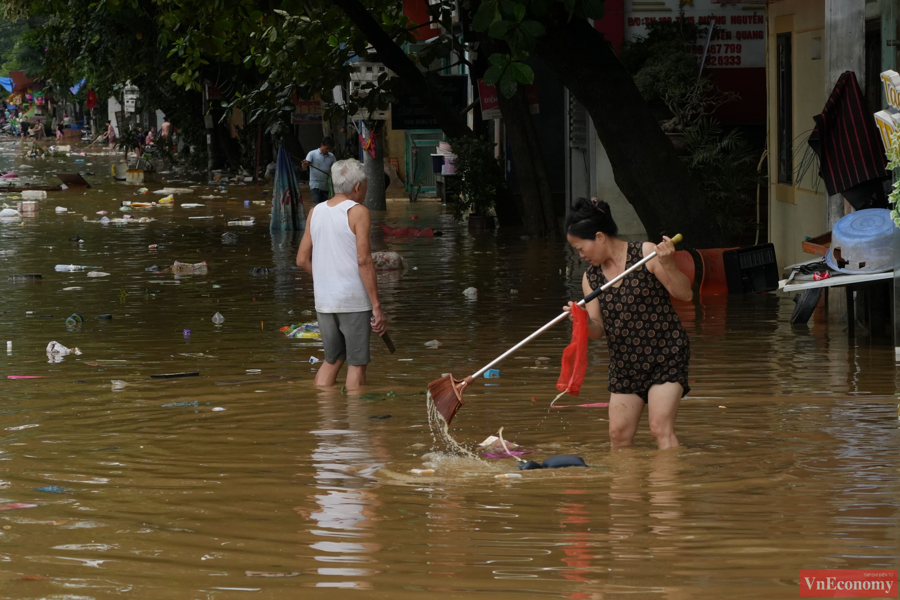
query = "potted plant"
x=475 y=185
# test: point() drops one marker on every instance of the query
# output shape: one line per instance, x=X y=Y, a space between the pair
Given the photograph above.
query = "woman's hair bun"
x=589 y=216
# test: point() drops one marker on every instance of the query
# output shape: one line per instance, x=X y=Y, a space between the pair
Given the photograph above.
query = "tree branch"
x=396 y=60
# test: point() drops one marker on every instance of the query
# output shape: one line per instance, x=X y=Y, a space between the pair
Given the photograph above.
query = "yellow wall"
x=396 y=146
x=798 y=210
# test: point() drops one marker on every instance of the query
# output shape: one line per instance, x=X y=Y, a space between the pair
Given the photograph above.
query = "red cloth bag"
x=574 y=359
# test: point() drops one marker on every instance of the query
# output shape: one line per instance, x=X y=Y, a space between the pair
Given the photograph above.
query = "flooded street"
x=790 y=436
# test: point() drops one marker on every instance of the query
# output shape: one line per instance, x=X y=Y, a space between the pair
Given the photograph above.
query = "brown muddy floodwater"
x=790 y=439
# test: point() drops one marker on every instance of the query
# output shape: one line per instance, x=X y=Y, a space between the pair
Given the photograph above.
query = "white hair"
x=345 y=174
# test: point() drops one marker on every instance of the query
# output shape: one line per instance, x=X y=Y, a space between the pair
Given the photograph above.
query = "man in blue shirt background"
x=319 y=163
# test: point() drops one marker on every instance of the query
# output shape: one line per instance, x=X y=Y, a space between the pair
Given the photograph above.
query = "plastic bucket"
x=685 y=263
x=714 y=281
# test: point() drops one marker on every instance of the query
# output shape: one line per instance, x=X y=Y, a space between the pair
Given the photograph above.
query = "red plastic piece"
x=574 y=359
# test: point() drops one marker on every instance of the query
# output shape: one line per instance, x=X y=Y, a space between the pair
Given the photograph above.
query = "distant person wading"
x=649 y=350
x=319 y=163
x=335 y=251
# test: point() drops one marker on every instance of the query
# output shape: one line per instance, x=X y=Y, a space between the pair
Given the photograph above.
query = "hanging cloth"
x=574 y=359
x=287 y=205
x=848 y=145
x=367 y=144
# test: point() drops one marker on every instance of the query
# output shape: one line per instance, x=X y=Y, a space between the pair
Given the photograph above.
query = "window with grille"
x=785 y=124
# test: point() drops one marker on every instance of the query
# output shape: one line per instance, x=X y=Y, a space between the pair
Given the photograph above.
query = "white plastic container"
x=34 y=195
x=861 y=243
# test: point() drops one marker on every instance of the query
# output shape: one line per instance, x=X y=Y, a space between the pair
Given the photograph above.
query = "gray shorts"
x=346 y=337
x=318 y=196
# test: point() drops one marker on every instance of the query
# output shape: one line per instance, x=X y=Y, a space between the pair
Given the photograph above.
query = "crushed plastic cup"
x=218 y=319
x=471 y=293
x=68 y=268
x=97 y=274
x=218 y=409
x=61 y=209
x=313 y=360
x=118 y=384
x=433 y=345
x=492 y=374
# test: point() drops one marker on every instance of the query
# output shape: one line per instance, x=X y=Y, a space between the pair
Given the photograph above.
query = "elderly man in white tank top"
x=335 y=251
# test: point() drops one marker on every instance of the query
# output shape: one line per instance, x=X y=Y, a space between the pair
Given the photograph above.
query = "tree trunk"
x=375 y=195
x=536 y=208
x=528 y=162
x=646 y=166
x=229 y=148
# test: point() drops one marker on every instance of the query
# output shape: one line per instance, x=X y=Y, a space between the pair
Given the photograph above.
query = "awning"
x=21 y=81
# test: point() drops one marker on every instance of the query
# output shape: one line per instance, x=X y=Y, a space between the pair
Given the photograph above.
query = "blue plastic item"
x=554 y=462
x=492 y=374
x=861 y=243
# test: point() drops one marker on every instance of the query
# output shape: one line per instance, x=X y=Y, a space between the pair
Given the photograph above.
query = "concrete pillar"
x=890 y=12
x=845 y=50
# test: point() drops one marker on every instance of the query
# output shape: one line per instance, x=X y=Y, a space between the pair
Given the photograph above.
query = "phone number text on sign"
x=719 y=55
x=738 y=37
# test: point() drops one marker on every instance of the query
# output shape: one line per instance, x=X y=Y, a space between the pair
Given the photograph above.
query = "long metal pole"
x=561 y=317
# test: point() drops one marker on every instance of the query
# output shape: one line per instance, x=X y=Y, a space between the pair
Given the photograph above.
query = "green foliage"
x=663 y=46
x=479 y=177
x=125 y=142
x=659 y=62
x=664 y=71
x=520 y=23
x=674 y=70
x=724 y=167
x=11 y=45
